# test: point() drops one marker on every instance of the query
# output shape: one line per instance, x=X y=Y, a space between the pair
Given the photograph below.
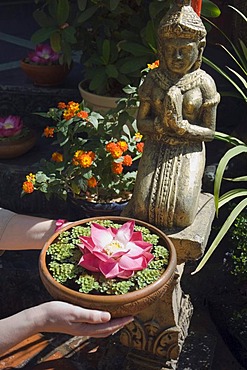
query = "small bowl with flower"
x=116 y=264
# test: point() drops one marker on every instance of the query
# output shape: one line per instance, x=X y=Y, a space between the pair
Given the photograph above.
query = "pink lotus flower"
x=43 y=54
x=10 y=126
x=115 y=252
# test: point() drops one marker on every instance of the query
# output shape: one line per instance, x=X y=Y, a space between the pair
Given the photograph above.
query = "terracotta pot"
x=118 y=305
x=45 y=75
x=96 y=102
x=18 y=146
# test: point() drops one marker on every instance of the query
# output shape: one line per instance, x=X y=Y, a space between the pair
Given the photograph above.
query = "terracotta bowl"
x=118 y=305
x=45 y=75
x=18 y=147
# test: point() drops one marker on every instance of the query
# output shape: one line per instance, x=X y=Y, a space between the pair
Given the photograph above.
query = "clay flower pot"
x=118 y=305
x=96 y=102
x=17 y=146
x=45 y=75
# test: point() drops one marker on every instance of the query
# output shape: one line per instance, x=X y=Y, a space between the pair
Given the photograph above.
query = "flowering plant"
x=11 y=128
x=94 y=154
x=107 y=257
x=43 y=55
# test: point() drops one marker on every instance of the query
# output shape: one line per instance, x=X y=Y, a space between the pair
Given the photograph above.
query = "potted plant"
x=42 y=66
x=92 y=164
x=117 y=38
x=109 y=263
x=15 y=138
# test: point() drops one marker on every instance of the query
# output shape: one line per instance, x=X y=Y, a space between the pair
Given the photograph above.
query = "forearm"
x=18 y=327
x=26 y=232
x=198 y=133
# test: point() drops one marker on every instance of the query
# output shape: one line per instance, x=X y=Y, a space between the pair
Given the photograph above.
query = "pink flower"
x=43 y=54
x=10 y=126
x=115 y=252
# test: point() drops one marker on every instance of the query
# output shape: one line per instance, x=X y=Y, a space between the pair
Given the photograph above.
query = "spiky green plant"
x=239 y=147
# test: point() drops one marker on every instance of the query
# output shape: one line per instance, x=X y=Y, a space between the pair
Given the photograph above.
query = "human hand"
x=61 y=317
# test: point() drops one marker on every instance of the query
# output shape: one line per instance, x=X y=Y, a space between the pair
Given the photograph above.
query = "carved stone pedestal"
x=156 y=337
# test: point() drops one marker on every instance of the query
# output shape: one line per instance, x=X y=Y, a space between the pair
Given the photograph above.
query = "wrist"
x=38 y=317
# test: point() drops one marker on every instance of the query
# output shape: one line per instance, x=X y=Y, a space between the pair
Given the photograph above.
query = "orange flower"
x=61 y=105
x=123 y=145
x=85 y=160
x=117 y=168
x=114 y=149
x=76 y=157
x=138 y=136
x=154 y=64
x=28 y=187
x=73 y=107
x=92 y=154
x=139 y=147
x=31 y=178
x=117 y=153
x=127 y=160
x=67 y=114
x=57 y=157
x=49 y=131
x=82 y=114
x=110 y=146
x=92 y=182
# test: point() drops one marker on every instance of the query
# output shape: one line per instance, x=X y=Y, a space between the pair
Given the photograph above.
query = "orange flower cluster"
x=71 y=110
x=57 y=157
x=83 y=159
x=117 y=150
x=28 y=185
x=154 y=65
x=49 y=131
x=139 y=147
x=92 y=182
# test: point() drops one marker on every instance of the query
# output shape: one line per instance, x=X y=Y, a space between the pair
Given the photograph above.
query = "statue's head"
x=181 y=39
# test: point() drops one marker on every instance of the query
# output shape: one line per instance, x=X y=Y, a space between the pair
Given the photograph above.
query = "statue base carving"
x=155 y=339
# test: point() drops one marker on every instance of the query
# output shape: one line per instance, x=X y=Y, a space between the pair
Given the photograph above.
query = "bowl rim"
x=121 y=298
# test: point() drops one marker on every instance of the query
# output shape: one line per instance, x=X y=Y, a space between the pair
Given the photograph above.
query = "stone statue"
x=177 y=114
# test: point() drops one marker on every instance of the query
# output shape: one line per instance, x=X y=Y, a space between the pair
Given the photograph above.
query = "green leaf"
x=42 y=35
x=231 y=153
x=111 y=71
x=55 y=40
x=236 y=179
x=126 y=130
x=219 y=70
x=82 y=4
x=52 y=7
x=114 y=4
x=244 y=82
x=86 y=15
x=225 y=227
x=69 y=34
x=94 y=121
x=135 y=49
x=239 y=12
x=229 y=139
x=151 y=36
x=62 y=11
x=106 y=51
x=132 y=65
x=43 y=19
x=209 y=9
x=230 y=195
